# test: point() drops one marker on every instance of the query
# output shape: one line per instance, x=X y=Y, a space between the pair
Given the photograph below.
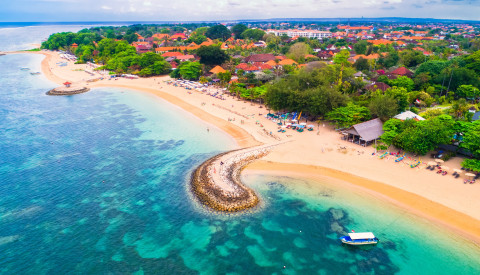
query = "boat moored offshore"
x=359 y=238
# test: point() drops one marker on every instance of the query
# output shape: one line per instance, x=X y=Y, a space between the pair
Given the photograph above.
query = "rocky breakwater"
x=216 y=182
x=72 y=90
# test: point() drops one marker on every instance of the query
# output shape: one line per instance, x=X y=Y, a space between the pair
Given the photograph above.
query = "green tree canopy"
x=212 y=55
x=473 y=61
x=362 y=64
x=254 y=34
x=218 y=32
x=360 y=47
x=467 y=91
x=238 y=29
x=190 y=70
x=298 y=51
x=403 y=82
x=424 y=136
x=383 y=107
x=308 y=91
x=348 y=115
x=341 y=58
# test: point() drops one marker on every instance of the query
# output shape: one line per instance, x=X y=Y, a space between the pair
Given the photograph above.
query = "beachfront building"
x=364 y=133
x=408 y=115
x=302 y=33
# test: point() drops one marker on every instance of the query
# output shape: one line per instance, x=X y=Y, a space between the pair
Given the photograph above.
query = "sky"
x=212 y=10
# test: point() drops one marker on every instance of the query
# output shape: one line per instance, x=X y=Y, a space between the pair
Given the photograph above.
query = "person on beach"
x=208 y=130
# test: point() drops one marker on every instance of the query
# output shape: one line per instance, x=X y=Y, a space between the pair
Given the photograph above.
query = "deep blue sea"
x=97 y=183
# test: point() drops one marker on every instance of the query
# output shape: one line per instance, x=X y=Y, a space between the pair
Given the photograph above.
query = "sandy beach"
x=442 y=199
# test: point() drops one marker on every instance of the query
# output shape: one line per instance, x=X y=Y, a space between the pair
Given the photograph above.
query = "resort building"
x=302 y=33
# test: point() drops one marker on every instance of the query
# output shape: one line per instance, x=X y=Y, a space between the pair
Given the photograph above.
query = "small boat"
x=384 y=155
x=400 y=158
x=35 y=73
x=363 y=238
x=25 y=69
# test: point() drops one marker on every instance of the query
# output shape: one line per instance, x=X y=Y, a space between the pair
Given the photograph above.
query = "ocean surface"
x=97 y=183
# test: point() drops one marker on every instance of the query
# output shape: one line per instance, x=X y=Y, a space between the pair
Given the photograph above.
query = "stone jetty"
x=216 y=182
x=68 y=90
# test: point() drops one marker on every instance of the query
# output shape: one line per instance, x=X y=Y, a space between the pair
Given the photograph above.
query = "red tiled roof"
x=377 y=86
x=402 y=71
x=260 y=57
x=246 y=67
x=264 y=67
x=169 y=54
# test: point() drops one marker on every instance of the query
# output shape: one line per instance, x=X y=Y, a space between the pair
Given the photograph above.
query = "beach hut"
x=67 y=84
x=364 y=133
x=217 y=70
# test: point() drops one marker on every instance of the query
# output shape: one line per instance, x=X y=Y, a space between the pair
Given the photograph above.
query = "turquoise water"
x=97 y=183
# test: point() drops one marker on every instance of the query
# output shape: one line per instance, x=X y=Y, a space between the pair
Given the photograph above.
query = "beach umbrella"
x=303 y=123
x=439 y=160
x=432 y=163
x=311 y=126
x=445 y=168
x=470 y=175
x=458 y=170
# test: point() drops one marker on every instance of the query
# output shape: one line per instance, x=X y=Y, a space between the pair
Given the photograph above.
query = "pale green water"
x=415 y=245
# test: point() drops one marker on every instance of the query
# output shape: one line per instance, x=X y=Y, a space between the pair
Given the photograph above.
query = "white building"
x=302 y=33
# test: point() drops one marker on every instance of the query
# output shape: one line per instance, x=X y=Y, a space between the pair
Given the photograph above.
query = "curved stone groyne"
x=68 y=91
x=216 y=182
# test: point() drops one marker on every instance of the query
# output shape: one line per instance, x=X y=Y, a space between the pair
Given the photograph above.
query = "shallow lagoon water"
x=98 y=183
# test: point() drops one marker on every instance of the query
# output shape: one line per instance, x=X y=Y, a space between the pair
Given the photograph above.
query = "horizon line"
x=324 y=19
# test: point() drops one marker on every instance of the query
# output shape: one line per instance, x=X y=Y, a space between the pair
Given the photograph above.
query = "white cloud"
x=198 y=10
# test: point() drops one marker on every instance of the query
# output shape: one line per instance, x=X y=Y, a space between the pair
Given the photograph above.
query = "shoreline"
x=441 y=213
